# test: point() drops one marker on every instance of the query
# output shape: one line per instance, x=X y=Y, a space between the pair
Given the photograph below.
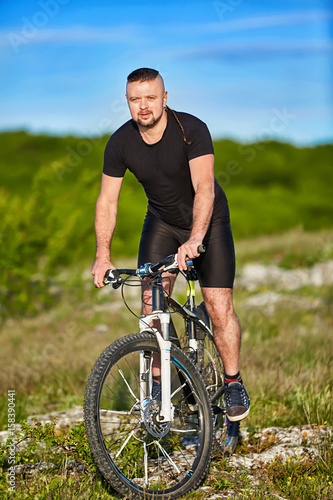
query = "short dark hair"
x=142 y=74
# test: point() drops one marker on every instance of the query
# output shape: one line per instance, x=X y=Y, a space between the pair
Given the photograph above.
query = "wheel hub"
x=153 y=425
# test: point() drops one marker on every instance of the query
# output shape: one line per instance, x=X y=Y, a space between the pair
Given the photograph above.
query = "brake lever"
x=173 y=266
x=113 y=277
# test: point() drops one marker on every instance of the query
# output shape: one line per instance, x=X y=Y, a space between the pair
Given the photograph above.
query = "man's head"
x=146 y=96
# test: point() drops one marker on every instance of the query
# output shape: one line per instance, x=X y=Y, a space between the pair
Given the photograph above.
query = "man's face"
x=146 y=101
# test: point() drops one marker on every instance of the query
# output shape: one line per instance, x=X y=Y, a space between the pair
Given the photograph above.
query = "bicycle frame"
x=160 y=312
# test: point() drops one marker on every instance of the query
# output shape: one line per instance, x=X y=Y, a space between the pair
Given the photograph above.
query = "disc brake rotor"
x=150 y=416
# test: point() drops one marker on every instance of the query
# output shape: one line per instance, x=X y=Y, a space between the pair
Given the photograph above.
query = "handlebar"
x=113 y=276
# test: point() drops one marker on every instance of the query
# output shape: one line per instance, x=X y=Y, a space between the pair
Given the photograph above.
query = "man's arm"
x=202 y=175
x=105 y=223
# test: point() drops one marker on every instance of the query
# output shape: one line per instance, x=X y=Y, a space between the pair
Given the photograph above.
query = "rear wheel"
x=210 y=365
x=139 y=455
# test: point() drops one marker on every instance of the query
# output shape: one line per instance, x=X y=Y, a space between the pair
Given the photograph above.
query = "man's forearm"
x=105 y=223
x=202 y=212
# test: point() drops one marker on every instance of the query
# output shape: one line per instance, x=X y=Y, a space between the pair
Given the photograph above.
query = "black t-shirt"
x=163 y=167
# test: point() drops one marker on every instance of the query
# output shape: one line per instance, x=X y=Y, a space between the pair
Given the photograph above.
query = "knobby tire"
x=136 y=463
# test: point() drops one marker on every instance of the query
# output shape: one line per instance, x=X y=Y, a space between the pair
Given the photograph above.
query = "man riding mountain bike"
x=171 y=154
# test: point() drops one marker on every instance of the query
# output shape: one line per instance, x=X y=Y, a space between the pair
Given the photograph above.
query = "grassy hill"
x=49 y=187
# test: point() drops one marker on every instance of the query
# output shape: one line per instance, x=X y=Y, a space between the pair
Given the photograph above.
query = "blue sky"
x=250 y=69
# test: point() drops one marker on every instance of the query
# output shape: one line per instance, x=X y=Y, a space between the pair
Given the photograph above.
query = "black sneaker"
x=155 y=395
x=227 y=438
x=237 y=402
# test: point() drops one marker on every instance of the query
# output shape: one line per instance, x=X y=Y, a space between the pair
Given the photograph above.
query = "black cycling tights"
x=215 y=268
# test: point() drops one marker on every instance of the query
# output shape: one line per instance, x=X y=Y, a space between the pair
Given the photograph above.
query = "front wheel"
x=139 y=455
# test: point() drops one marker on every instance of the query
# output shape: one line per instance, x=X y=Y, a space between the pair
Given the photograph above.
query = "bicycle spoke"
x=167 y=456
x=128 y=386
x=118 y=412
x=177 y=390
x=183 y=431
x=145 y=455
x=125 y=443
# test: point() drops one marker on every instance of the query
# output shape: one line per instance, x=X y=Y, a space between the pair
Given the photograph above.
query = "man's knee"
x=218 y=300
x=219 y=304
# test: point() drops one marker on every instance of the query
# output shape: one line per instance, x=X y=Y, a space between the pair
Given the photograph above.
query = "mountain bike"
x=158 y=447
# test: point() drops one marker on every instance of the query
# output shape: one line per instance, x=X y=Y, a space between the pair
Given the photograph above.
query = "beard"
x=151 y=123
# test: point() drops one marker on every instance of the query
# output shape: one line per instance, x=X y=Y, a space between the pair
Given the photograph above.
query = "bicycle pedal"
x=217 y=409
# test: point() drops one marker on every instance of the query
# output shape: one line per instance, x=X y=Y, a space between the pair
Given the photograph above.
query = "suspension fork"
x=163 y=339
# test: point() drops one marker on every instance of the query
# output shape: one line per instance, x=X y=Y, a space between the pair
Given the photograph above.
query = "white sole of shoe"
x=237 y=418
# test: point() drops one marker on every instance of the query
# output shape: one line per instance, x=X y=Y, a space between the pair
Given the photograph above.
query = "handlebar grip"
x=201 y=249
x=112 y=276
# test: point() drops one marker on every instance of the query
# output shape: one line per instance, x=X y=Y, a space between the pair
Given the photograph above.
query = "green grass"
x=47 y=358
x=69 y=470
x=293 y=249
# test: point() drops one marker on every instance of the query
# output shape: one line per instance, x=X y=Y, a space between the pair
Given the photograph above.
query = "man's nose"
x=143 y=103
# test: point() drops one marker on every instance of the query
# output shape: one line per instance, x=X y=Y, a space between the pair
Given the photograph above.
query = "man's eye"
x=134 y=99
x=151 y=98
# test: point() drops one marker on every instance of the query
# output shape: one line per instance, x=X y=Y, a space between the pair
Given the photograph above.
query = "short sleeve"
x=201 y=141
x=114 y=164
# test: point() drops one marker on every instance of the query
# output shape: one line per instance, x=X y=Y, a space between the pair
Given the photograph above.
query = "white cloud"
x=255 y=23
x=75 y=34
x=247 y=48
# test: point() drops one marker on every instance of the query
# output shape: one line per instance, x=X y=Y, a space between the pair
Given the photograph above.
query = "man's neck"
x=151 y=135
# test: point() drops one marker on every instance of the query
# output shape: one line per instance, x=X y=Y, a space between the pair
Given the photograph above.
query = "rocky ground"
x=297 y=442
x=282 y=282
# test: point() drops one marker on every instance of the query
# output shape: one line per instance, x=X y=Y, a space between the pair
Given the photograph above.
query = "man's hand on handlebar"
x=189 y=250
x=99 y=269
x=105 y=273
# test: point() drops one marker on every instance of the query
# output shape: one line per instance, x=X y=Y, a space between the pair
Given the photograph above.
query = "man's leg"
x=227 y=337
x=227 y=331
x=168 y=283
